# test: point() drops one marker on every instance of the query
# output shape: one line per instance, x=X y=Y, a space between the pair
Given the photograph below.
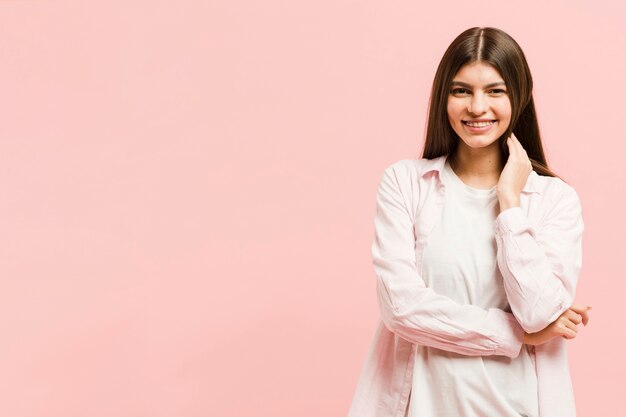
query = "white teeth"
x=479 y=124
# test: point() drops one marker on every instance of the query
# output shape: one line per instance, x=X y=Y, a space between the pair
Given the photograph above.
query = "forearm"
x=540 y=266
x=435 y=320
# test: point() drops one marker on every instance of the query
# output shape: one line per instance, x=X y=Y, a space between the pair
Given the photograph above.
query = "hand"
x=564 y=326
x=514 y=175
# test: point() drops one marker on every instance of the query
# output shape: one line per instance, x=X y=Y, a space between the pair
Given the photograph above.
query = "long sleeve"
x=541 y=267
x=417 y=313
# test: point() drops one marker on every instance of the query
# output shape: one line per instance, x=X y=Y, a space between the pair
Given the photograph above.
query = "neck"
x=477 y=163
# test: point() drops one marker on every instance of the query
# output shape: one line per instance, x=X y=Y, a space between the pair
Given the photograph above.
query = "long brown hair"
x=494 y=47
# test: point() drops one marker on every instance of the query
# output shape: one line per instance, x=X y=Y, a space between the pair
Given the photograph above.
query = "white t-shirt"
x=460 y=262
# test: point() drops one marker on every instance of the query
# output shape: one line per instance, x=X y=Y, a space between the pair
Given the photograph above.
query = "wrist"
x=527 y=338
x=507 y=202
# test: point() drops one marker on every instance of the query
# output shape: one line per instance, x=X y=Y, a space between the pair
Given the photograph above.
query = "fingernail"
x=588 y=307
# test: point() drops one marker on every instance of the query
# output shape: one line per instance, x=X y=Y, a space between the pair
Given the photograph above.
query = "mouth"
x=478 y=124
x=478 y=127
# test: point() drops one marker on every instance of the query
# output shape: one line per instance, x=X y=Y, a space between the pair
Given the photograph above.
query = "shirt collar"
x=437 y=164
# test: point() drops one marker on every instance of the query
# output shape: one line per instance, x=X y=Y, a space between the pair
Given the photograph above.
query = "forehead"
x=477 y=74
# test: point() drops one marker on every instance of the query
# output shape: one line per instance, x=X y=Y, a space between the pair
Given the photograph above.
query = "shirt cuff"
x=511 y=220
x=511 y=336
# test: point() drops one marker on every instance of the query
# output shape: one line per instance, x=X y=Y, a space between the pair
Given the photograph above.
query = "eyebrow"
x=486 y=86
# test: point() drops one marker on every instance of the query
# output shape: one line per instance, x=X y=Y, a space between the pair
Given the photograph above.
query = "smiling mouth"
x=478 y=124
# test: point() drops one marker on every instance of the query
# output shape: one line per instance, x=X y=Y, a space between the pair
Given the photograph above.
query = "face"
x=478 y=92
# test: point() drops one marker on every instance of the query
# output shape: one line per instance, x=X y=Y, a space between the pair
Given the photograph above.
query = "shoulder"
x=557 y=195
x=406 y=179
x=404 y=175
x=401 y=168
x=554 y=188
x=413 y=167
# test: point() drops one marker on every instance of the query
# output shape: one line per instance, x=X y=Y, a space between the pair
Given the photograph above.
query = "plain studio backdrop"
x=188 y=193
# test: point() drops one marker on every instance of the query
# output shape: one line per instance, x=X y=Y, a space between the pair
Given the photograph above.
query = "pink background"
x=188 y=193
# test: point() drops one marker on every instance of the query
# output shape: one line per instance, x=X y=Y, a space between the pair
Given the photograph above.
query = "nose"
x=478 y=104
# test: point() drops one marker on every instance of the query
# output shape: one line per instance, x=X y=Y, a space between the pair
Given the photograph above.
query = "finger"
x=513 y=147
x=575 y=317
x=579 y=308
x=568 y=333
x=520 y=147
x=572 y=326
x=515 y=140
x=522 y=150
x=510 y=143
x=584 y=311
x=585 y=317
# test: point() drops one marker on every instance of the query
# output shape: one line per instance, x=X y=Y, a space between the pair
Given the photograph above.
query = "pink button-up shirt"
x=539 y=253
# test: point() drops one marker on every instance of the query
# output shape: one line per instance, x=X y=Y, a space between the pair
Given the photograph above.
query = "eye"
x=498 y=91
x=458 y=90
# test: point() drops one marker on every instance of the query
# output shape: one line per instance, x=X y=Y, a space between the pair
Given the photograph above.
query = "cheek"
x=506 y=111
x=453 y=112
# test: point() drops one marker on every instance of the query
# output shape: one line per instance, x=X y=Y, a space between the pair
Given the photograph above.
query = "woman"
x=477 y=253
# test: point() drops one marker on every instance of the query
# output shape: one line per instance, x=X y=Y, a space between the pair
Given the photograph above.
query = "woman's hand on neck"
x=514 y=175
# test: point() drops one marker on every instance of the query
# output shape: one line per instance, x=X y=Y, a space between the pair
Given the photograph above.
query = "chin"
x=480 y=142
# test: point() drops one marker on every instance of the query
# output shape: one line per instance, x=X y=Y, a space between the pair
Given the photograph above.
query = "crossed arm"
x=540 y=275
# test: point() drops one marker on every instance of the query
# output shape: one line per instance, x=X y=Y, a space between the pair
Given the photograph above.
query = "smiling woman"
x=477 y=253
